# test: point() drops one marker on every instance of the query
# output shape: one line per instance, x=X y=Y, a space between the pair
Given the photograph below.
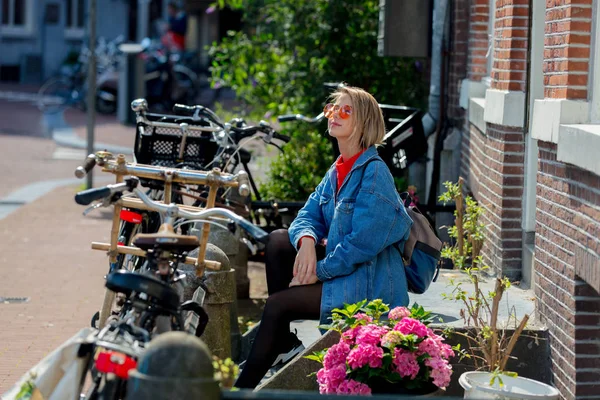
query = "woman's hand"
x=311 y=280
x=305 y=266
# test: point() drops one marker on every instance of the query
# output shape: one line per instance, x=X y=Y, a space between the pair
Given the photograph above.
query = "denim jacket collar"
x=365 y=157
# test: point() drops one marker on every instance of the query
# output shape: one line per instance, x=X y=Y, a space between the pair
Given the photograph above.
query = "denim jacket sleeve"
x=379 y=220
x=310 y=220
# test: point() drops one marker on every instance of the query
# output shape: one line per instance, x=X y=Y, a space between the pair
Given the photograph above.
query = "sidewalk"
x=47 y=258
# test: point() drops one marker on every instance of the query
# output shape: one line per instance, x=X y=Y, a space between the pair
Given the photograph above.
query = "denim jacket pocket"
x=345 y=211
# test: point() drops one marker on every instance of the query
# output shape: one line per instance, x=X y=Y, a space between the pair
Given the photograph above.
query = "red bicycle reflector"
x=116 y=363
x=131 y=216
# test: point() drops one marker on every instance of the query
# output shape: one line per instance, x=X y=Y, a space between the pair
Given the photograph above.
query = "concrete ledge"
x=578 y=145
x=476 y=113
x=470 y=89
x=549 y=114
x=504 y=107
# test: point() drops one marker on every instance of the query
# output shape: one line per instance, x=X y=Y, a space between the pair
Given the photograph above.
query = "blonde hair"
x=369 y=125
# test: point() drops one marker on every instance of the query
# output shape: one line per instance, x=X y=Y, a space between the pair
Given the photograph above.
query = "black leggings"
x=284 y=305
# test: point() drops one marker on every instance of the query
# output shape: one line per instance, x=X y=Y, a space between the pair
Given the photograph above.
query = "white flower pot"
x=477 y=386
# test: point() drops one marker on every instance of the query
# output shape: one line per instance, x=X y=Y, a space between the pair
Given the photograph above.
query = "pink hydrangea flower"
x=398 y=313
x=363 y=355
x=441 y=371
x=349 y=335
x=409 y=326
x=336 y=355
x=363 y=317
x=370 y=334
x=435 y=347
x=353 y=387
x=406 y=363
x=392 y=338
x=330 y=379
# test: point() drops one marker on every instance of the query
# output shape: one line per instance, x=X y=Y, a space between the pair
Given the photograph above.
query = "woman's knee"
x=274 y=308
x=279 y=241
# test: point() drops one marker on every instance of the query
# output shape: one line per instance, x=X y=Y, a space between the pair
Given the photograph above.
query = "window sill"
x=476 y=113
x=16 y=32
x=74 y=33
x=578 y=145
x=550 y=114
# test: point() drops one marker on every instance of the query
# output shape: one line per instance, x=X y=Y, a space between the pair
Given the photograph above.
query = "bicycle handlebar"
x=195 y=111
x=87 y=196
x=248 y=226
x=184 y=176
x=300 y=117
x=88 y=164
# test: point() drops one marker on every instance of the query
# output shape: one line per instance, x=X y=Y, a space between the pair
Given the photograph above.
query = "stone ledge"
x=470 y=89
x=578 y=145
x=476 y=113
x=549 y=114
x=505 y=107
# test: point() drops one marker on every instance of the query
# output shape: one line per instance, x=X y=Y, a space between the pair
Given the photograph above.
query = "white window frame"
x=594 y=73
x=18 y=30
x=71 y=30
x=487 y=80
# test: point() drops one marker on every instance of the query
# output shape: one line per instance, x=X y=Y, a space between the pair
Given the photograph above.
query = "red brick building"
x=524 y=85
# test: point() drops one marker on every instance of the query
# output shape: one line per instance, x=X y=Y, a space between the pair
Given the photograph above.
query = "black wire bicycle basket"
x=160 y=138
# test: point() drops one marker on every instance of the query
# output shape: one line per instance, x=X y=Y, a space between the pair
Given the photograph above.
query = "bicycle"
x=231 y=156
x=149 y=295
x=120 y=168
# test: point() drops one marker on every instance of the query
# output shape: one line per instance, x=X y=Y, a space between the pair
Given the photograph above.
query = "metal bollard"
x=175 y=365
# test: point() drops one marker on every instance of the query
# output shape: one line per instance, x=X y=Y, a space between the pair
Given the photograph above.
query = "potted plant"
x=383 y=351
x=489 y=343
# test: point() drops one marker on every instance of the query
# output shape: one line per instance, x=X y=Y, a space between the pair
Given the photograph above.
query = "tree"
x=279 y=62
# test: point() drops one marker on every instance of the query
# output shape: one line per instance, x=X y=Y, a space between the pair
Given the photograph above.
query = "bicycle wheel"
x=56 y=95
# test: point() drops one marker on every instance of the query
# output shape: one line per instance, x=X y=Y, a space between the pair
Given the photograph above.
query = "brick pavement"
x=46 y=256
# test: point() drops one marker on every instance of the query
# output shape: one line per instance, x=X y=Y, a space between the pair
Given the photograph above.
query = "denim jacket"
x=361 y=223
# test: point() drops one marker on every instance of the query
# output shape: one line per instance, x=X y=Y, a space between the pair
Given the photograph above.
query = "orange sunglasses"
x=344 y=111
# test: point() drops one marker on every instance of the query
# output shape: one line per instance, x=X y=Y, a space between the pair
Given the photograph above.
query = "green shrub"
x=279 y=62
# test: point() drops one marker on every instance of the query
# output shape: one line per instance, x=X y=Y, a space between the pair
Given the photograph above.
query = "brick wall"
x=568 y=228
x=567 y=237
x=496 y=180
x=567 y=244
x=567 y=48
x=493 y=162
x=478 y=39
x=510 y=45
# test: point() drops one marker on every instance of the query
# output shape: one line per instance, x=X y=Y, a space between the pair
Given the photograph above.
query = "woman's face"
x=341 y=128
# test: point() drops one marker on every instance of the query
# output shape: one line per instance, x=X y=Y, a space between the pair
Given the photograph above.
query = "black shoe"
x=293 y=348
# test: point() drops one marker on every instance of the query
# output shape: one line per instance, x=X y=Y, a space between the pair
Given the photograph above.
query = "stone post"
x=222 y=335
x=175 y=365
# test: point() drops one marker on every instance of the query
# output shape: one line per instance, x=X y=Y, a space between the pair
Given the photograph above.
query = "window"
x=75 y=18
x=17 y=17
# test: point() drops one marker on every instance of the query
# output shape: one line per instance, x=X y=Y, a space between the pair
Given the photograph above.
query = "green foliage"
x=287 y=50
x=226 y=371
x=468 y=232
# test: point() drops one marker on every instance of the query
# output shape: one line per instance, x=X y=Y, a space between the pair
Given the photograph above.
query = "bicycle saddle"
x=166 y=239
x=126 y=282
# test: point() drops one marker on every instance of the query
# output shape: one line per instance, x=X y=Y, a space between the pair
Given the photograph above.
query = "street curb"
x=33 y=191
x=66 y=138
